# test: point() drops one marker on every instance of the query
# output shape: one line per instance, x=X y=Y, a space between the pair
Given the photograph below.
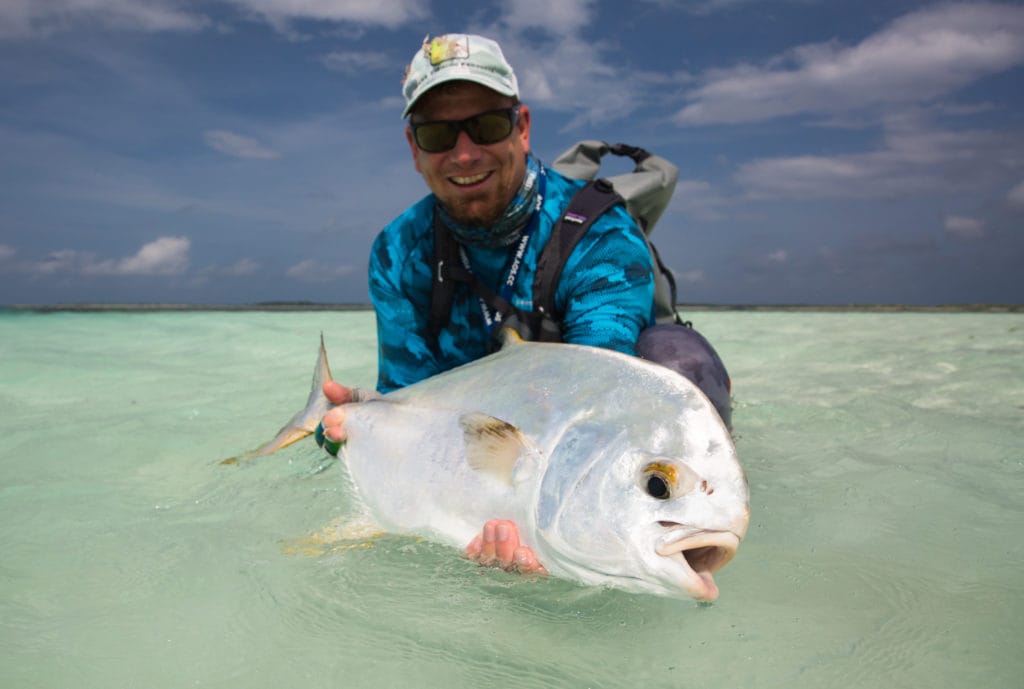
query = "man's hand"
x=334 y=420
x=498 y=546
x=331 y=433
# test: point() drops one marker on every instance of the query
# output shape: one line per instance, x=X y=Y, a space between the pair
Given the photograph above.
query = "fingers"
x=498 y=545
x=526 y=561
x=333 y=423
x=472 y=551
x=483 y=548
x=336 y=393
x=331 y=434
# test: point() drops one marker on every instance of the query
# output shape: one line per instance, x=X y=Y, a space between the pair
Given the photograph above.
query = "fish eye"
x=657 y=487
x=659 y=479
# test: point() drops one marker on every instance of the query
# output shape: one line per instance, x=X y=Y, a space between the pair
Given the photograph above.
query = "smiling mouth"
x=700 y=556
x=470 y=180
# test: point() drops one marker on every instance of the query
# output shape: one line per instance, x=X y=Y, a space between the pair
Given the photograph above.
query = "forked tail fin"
x=304 y=423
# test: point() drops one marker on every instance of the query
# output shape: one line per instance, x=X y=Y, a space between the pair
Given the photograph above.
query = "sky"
x=244 y=151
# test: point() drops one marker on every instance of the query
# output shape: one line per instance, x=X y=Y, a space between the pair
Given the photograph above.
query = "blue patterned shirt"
x=606 y=291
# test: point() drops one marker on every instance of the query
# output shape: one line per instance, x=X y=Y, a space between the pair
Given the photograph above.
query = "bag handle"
x=646 y=190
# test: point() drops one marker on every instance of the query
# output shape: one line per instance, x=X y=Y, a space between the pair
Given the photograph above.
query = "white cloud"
x=163 y=256
x=237 y=145
x=581 y=83
x=690 y=277
x=958 y=109
x=863 y=175
x=561 y=17
x=916 y=158
x=701 y=7
x=280 y=13
x=7 y=252
x=780 y=256
x=591 y=80
x=60 y=261
x=917 y=57
x=242 y=267
x=964 y=227
x=698 y=199
x=315 y=271
x=1015 y=197
x=19 y=18
x=357 y=61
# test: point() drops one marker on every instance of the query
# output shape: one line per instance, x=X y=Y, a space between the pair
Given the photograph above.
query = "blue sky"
x=237 y=151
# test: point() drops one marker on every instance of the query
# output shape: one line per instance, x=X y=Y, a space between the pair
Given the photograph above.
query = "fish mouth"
x=700 y=556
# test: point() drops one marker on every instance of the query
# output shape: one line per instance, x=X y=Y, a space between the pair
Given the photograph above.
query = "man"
x=470 y=140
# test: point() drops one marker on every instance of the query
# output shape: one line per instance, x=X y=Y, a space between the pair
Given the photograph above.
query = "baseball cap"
x=462 y=57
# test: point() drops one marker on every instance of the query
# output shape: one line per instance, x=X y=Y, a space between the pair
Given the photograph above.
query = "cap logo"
x=456 y=57
x=442 y=48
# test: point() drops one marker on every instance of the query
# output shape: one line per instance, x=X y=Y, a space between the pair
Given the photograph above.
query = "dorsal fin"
x=493 y=446
x=510 y=337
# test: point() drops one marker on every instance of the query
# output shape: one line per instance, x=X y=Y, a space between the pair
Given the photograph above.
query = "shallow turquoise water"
x=885 y=454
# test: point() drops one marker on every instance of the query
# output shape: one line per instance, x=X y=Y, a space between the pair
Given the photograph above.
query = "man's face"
x=475 y=183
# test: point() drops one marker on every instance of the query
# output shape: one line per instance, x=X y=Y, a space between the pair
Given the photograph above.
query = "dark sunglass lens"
x=490 y=127
x=484 y=129
x=434 y=137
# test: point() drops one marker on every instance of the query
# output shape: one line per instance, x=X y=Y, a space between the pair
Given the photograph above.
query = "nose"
x=464 y=149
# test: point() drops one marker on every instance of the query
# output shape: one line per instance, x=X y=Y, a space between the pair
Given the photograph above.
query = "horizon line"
x=993 y=307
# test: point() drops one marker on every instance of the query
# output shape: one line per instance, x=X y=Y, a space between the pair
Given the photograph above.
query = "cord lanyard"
x=508 y=287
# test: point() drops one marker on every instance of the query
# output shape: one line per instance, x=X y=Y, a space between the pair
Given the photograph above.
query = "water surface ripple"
x=885 y=454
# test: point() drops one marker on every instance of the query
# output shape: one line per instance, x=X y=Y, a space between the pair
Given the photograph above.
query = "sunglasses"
x=483 y=129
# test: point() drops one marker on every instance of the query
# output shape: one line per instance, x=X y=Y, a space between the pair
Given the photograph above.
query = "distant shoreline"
x=682 y=308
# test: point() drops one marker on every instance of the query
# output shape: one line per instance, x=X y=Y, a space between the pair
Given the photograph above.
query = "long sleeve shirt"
x=605 y=293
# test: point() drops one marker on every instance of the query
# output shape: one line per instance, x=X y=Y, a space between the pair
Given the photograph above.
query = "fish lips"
x=697 y=556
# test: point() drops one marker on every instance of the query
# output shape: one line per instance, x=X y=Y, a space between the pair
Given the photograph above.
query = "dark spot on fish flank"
x=495 y=428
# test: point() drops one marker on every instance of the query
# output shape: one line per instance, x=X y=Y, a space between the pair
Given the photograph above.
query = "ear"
x=413 y=148
x=524 y=126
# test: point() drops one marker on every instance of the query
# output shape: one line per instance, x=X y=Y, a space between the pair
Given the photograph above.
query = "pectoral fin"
x=493 y=446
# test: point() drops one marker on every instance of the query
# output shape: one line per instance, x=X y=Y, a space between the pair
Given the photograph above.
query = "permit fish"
x=617 y=471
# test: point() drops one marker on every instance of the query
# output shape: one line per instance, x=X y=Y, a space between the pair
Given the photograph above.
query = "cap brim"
x=438 y=79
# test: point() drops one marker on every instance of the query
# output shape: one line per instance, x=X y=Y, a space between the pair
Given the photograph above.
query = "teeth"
x=471 y=180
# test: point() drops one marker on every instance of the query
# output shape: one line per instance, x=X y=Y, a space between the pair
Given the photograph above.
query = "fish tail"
x=304 y=422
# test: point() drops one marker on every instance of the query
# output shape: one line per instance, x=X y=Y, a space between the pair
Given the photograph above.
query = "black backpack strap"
x=638 y=154
x=447 y=271
x=664 y=309
x=445 y=274
x=586 y=206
